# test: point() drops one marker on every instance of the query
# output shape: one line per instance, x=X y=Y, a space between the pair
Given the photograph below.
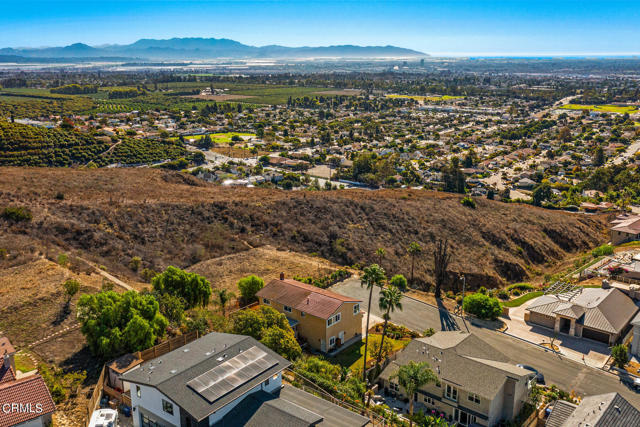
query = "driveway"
x=568 y=374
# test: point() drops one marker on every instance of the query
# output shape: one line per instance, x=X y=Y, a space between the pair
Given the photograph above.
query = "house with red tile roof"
x=24 y=401
x=326 y=320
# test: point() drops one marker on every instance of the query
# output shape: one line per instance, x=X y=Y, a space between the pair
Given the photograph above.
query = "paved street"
x=567 y=374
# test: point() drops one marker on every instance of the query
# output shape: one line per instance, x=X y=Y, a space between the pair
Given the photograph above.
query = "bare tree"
x=441 y=258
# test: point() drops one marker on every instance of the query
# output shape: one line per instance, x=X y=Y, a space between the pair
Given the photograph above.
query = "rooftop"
x=303 y=297
x=27 y=391
x=602 y=410
x=172 y=372
x=460 y=358
x=607 y=310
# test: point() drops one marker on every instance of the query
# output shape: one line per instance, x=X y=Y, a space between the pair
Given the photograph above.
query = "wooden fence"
x=92 y=404
x=148 y=354
x=167 y=346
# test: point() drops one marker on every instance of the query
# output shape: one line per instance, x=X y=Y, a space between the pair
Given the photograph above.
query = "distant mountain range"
x=201 y=48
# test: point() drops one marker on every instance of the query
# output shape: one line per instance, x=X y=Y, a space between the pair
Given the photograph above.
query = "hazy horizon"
x=459 y=28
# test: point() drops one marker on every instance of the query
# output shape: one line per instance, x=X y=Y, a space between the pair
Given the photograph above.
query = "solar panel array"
x=233 y=373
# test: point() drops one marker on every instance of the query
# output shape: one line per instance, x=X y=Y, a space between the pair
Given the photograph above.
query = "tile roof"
x=303 y=297
x=608 y=310
x=629 y=225
x=461 y=358
x=6 y=347
x=32 y=393
x=6 y=374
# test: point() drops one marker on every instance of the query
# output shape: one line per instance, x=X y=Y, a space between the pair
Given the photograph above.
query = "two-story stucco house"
x=327 y=321
x=477 y=385
x=225 y=380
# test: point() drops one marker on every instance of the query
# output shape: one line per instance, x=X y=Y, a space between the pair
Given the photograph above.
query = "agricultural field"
x=222 y=138
x=619 y=109
x=270 y=94
x=421 y=98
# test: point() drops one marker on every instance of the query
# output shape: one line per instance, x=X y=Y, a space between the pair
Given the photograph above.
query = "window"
x=337 y=318
x=266 y=301
x=356 y=309
x=332 y=341
x=451 y=393
x=167 y=407
x=266 y=383
x=138 y=391
x=474 y=398
x=287 y=309
x=394 y=387
x=463 y=418
x=302 y=314
x=428 y=400
x=329 y=321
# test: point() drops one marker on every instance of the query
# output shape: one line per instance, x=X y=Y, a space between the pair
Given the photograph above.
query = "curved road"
x=565 y=373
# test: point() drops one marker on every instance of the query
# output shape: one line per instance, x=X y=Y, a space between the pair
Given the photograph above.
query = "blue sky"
x=444 y=27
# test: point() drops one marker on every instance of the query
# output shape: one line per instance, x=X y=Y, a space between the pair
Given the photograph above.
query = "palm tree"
x=411 y=378
x=441 y=259
x=381 y=253
x=414 y=250
x=223 y=297
x=373 y=276
x=389 y=301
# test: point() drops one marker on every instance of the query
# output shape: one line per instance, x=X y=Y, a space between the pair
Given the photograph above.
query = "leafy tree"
x=541 y=193
x=389 y=302
x=413 y=250
x=171 y=306
x=269 y=327
x=117 y=323
x=249 y=286
x=380 y=348
x=441 y=258
x=400 y=282
x=483 y=306
x=411 y=378
x=373 y=276
x=598 y=157
x=135 y=263
x=282 y=342
x=620 y=355
x=222 y=298
x=71 y=287
x=193 y=288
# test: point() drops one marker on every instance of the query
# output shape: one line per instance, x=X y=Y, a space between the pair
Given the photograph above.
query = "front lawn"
x=351 y=357
x=522 y=299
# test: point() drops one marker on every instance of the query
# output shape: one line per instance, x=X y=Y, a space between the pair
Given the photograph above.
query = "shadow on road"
x=447 y=321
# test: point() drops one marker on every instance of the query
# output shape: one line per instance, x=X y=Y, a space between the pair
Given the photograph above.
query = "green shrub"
x=249 y=286
x=17 y=214
x=482 y=290
x=468 y=202
x=602 y=250
x=482 y=306
x=620 y=355
x=520 y=287
x=516 y=293
x=502 y=294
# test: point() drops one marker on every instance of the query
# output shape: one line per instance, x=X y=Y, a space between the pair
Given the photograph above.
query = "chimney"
x=282 y=276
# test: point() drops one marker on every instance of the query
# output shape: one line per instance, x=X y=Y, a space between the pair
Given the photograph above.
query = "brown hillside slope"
x=170 y=218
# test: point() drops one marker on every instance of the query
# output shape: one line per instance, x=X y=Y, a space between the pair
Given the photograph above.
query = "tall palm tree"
x=373 y=276
x=389 y=302
x=411 y=378
x=223 y=297
x=414 y=250
x=381 y=253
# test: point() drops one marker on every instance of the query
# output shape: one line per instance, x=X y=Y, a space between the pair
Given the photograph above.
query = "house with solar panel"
x=225 y=380
x=325 y=320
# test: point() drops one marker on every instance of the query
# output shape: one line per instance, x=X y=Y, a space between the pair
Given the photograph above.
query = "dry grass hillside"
x=266 y=262
x=112 y=215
